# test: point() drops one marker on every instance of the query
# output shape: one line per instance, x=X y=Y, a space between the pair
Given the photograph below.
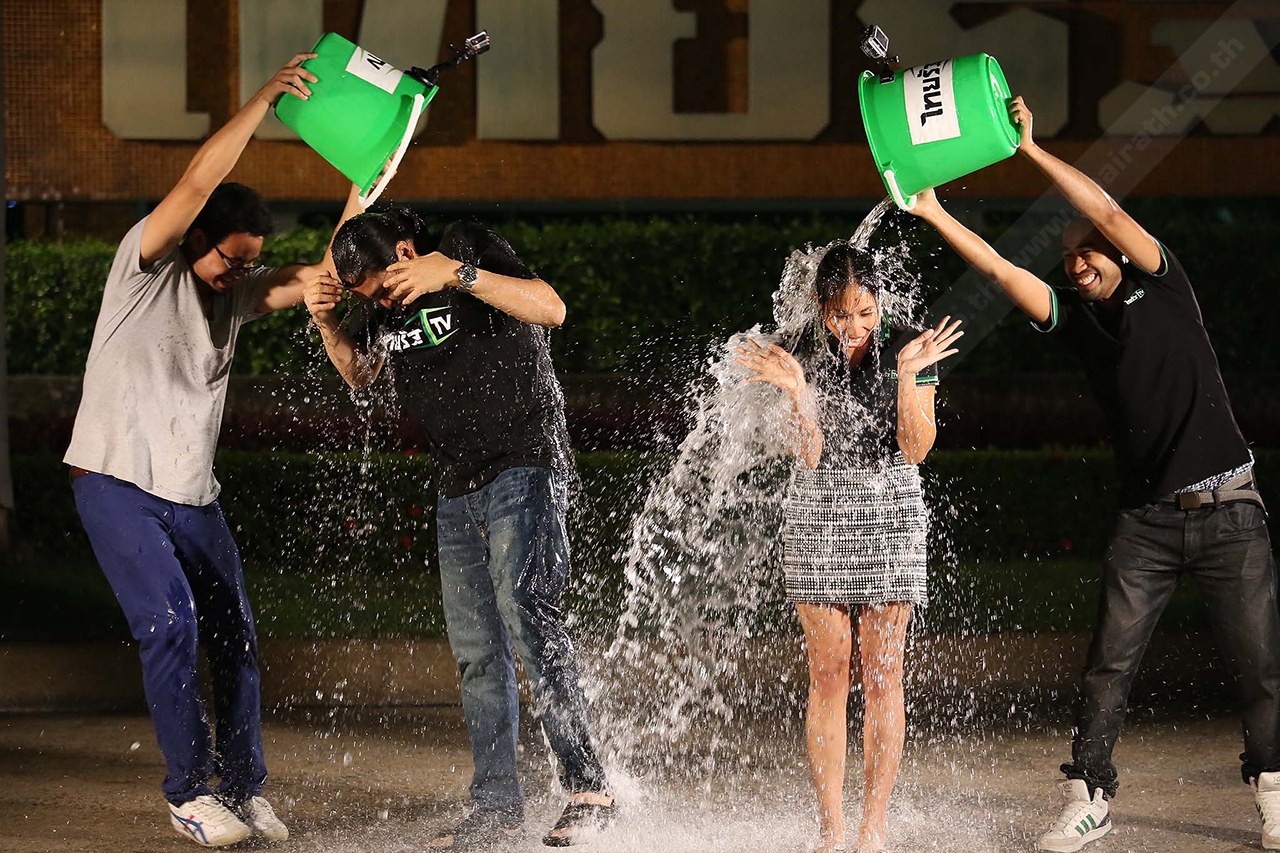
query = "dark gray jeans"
x=1227 y=551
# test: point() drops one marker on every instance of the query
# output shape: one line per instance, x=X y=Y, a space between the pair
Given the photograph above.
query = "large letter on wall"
x=1031 y=48
x=1237 y=94
x=789 y=72
x=405 y=33
x=144 y=71
x=271 y=32
x=518 y=92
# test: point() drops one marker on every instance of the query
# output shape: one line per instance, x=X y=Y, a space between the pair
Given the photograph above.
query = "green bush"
x=52 y=295
x=650 y=293
x=343 y=544
x=372 y=512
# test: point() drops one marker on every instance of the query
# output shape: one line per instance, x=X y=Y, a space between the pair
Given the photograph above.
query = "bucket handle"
x=894 y=191
x=389 y=172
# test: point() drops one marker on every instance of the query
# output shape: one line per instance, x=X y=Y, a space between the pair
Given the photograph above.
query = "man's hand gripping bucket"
x=362 y=113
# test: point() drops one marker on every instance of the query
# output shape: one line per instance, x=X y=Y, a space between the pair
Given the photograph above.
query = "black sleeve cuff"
x=1052 y=323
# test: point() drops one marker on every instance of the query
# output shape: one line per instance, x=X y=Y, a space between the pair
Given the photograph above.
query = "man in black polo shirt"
x=1189 y=504
x=462 y=331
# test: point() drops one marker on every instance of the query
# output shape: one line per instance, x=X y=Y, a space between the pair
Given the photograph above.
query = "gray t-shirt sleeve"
x=127 y=271
x=156 y=377
x=250 y=290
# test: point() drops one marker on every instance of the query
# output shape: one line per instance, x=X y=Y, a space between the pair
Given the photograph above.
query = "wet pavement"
x=383 y=782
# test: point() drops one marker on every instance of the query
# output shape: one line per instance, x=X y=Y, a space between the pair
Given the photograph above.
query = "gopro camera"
x=477 y=44
x=875 y=44
x=471 y=48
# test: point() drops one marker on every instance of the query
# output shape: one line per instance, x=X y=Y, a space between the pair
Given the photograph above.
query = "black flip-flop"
x=583 y=821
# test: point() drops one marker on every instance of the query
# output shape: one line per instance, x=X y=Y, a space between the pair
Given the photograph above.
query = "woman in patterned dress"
x=855 y=523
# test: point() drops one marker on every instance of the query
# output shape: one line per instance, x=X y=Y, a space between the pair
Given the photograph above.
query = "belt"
x=1239 y=488
x=77 y=473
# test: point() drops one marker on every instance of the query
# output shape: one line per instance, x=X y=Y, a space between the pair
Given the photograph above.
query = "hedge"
x=308 y=512
x=342 y=545
x=651 y=293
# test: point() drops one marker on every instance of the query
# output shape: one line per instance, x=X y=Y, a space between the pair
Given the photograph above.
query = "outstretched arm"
x=1084 y=194
x=216 y=158
x=1028 y=292
x=288 y=285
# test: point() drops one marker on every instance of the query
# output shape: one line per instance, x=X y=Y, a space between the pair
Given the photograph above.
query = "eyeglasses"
x=236 y=263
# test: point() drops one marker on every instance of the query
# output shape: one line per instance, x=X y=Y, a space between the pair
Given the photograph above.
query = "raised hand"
x=1021 y=116
x=926 y=204
x=772 y=364
x=292 y=79
x=322 y=295
x=930 y=347
x=419 y=276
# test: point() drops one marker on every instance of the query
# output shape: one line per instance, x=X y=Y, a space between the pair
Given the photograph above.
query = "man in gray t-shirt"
x=183 y=282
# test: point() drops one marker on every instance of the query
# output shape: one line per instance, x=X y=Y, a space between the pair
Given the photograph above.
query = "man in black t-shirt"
x=463 y=333
x=1188 y=500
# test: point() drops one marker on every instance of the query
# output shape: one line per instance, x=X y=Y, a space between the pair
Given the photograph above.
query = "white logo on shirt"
x=1137 y=294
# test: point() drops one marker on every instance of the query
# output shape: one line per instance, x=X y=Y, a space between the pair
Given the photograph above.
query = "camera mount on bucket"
x=875 y=44
x=471 y=48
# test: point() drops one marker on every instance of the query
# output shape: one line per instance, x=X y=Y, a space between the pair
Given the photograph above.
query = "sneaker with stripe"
x=207 y=822
x=1082 y=819
x=258 y=815
x=1266 y=798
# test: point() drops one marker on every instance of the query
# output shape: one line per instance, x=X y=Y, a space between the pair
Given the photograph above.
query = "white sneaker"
x=207 y=822
x=1266 y=797
x=262 y=819
x=1081 y=820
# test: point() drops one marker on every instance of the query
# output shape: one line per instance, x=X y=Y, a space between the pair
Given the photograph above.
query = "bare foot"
x=592 y=799
x=871 y=837
x=831 y=839
x=565 y=834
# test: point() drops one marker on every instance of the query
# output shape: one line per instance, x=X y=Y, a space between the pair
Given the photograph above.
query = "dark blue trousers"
x=176 y=572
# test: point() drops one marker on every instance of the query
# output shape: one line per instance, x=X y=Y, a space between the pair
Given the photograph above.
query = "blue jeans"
x=176 y=572
x=504 y=559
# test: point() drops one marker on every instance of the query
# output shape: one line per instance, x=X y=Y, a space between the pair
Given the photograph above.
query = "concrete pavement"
x=379 y=781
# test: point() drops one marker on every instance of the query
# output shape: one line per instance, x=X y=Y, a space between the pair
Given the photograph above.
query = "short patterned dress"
x=855 y=528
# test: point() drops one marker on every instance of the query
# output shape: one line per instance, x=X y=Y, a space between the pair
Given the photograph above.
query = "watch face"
x=467 y=275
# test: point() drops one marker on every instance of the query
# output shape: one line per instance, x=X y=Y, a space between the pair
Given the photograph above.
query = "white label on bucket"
x=371 y=69
x=931 y=102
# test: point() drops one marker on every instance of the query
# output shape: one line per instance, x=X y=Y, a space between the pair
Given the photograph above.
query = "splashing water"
x=706 y=639
x=696 y=694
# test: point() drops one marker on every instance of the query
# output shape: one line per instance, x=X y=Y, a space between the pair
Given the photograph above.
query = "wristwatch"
x=467 y=276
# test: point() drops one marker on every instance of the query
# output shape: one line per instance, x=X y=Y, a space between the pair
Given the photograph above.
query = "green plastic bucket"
x=937 y=122
x=361 y=114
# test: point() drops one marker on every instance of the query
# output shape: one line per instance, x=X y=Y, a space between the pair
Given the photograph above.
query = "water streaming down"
x=700 y=690
x=705 y=636
x=690 y=653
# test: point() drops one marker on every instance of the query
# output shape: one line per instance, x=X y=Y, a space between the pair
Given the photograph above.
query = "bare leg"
x=882 y=636
x=828 y=638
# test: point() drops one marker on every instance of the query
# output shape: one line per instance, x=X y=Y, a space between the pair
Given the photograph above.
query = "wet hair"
x=843 y=267
x=366 y=244
x=233 y=209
